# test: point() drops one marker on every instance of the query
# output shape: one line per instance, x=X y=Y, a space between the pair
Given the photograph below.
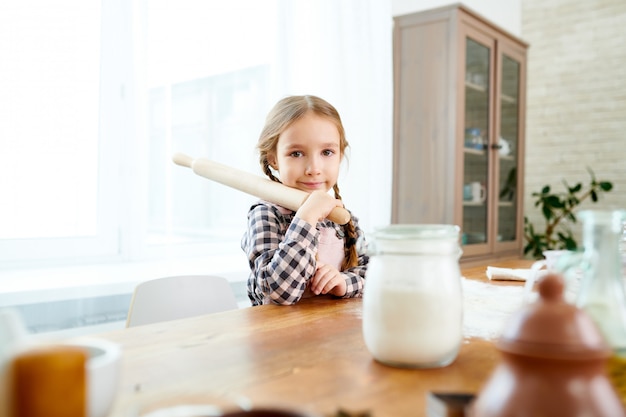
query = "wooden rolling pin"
x=255 y=185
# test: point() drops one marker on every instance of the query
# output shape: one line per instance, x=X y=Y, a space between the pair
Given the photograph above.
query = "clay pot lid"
x=551 y=328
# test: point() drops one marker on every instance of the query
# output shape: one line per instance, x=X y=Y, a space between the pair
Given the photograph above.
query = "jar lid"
x=551 y=328
x=417 y=231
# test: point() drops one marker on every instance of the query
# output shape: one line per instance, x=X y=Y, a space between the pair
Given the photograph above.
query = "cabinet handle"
x=495 y=146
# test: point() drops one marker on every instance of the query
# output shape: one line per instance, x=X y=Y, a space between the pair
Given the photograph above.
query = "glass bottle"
x=412 y=304
x=622 y=250
x=602 y=292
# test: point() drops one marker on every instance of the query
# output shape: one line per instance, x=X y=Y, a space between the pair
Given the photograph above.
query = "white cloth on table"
x=508 y=274
x=487 y=307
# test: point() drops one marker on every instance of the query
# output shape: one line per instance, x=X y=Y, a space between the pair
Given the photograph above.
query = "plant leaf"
x=558 y=212
x=528 y=248
x=591 y=174
x=553 y=201
x=570 y=243
x=576 y=188
x=606 y=186
x=547 y=213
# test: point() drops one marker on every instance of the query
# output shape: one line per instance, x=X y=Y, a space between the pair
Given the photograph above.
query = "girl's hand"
x=317 y=206
x=328 y=280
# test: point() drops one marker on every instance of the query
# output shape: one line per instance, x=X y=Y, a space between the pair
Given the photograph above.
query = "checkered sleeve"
x=281 y=254
x=355 y=276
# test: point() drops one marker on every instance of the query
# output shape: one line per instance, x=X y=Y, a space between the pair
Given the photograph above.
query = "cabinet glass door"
x=508 y=142
x=476 y=143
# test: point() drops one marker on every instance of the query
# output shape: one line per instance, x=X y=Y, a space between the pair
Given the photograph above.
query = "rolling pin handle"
x=339 y=215
x=182 y=160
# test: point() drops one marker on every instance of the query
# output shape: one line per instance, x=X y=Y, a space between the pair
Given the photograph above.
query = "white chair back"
x=177 y=297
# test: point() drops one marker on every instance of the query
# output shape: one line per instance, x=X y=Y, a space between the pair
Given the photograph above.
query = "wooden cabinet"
x=459 y=116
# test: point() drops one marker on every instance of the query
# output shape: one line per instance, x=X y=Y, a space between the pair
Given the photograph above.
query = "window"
x=99 y=95
x=207 y=98
x=49 y=112
x=210 y=118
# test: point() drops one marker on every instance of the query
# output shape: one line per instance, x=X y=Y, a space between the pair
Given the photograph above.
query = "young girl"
x=302 y=254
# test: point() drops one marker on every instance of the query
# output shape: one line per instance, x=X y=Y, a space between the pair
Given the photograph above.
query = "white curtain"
x=342 y=51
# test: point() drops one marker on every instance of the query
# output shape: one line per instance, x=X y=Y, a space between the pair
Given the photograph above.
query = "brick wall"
x=576 y=102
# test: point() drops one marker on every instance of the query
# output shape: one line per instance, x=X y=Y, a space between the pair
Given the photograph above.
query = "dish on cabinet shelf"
x=504 y=147
x=469 y=238
x=474 y=150
x=508 y=99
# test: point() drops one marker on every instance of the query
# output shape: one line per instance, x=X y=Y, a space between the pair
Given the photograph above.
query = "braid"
x=351 y=257
x=267 y=170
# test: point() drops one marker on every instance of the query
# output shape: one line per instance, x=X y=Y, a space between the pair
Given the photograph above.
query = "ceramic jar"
x=554 y=363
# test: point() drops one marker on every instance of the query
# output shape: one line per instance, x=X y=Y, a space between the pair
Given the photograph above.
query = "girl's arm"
x=281 y=260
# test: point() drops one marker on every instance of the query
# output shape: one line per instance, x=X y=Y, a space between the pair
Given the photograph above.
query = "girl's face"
x=308 y=155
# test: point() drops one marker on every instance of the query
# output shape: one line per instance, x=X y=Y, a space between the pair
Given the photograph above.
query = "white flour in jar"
x=412 y=326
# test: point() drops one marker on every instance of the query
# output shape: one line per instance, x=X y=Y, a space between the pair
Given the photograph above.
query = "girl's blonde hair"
x=282 y=115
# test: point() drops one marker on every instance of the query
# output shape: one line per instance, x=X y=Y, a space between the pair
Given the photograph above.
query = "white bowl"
x=103 y=374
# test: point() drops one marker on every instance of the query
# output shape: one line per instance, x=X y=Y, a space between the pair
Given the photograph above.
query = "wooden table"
x=307 y=357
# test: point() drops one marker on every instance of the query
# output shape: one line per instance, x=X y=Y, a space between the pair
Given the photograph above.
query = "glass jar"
x=412 y=303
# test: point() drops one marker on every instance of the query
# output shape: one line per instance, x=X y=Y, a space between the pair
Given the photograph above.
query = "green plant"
x=555 y=208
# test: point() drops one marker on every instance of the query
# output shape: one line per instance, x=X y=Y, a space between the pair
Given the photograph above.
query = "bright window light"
x=49 y=118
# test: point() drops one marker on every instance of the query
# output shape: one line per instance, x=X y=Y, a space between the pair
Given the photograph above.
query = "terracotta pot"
x=554 y=362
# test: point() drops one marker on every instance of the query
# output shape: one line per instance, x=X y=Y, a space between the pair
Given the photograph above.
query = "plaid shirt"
x=281 y=250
